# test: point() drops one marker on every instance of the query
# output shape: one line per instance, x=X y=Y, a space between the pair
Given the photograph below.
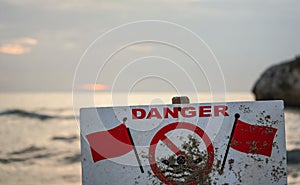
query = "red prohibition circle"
x=160 y=135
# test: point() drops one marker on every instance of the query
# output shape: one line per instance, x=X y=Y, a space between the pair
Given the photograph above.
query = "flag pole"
x=134 y=148
x=236 y=117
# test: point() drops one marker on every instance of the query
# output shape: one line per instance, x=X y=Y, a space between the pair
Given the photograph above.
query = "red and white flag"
x=110 y=143
x=253 y=139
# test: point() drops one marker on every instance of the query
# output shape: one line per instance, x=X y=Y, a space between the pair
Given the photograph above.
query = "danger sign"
x=228 y=143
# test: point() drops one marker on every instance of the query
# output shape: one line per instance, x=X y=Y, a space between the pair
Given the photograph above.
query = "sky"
x=60 y=45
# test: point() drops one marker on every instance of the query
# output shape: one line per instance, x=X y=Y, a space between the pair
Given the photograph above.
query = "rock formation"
x=281 y=82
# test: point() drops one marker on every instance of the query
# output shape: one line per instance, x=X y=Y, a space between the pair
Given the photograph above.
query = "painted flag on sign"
x=253 y=139
x=110 y=143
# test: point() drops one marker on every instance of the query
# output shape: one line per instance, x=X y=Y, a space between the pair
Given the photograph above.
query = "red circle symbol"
x=161 y=136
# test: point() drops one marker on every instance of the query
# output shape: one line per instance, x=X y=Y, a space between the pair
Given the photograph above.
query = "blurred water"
x=39 y=133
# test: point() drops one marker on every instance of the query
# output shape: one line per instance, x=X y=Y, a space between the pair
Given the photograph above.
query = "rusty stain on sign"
x=190 y=167
x=245 y=109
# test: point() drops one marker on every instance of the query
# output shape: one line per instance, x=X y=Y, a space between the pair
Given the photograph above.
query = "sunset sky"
x=42 y=42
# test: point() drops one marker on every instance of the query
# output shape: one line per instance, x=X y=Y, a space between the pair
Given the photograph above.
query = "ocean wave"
x=293 y=156
x=33 y=153
x=66 y=139
x=27 y=150
x=31 y=114
x=73 y=158
x=29 y=153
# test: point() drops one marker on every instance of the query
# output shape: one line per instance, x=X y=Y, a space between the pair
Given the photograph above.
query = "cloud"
x=69 y=45
x=140 y=48
x=73 y=5
x=64 y=39
x=18 y=46
x=27 y=40
x=14 y=49
x=94 y=87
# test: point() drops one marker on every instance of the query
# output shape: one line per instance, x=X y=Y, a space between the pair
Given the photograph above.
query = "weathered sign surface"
x=218 y=143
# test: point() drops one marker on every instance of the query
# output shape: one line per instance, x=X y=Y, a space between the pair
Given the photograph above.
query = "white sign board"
x=218 y=143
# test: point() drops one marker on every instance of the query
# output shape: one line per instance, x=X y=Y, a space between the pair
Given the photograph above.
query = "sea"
x=40 y=135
